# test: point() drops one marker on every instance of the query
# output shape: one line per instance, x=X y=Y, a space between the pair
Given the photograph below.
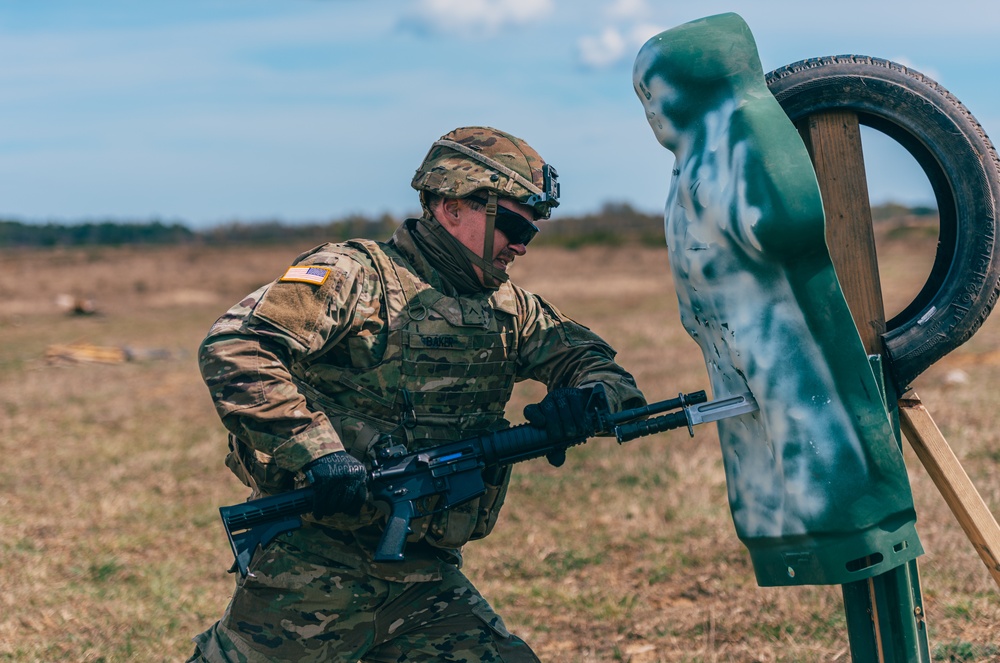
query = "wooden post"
x=834 y=143
x=885 y=617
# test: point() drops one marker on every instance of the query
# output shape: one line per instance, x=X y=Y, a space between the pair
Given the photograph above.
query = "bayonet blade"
x=722 y=408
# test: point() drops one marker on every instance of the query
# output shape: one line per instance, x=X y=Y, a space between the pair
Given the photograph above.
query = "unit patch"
x=314 y=275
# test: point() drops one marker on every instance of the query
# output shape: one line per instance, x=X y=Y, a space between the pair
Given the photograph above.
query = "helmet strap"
x=493 y=278
x=454 y=260
x=489 y=275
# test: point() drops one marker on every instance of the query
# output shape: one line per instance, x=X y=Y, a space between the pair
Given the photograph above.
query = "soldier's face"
x=471 y=231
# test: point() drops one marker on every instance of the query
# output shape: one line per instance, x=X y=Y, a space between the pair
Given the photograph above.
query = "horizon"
x=893 y=208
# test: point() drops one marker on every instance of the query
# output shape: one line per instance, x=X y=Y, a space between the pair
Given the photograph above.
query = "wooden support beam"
x=952 y=481
x=833 y=139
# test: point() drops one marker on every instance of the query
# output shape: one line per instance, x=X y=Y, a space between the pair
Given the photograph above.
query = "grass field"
x=111 y=548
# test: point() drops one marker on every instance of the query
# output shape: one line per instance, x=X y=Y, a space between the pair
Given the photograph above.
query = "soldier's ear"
x=450 y=211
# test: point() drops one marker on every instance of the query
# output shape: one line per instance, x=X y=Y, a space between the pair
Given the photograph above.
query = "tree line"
x=614 y=224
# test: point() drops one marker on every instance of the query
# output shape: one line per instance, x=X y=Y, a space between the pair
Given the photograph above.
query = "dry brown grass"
x=111 y=548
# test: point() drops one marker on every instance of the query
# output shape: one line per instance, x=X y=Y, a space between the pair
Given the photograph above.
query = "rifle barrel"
x=630 y=431
x=682 y=400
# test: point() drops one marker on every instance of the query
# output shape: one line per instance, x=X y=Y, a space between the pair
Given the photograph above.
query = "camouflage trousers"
x=298 y=607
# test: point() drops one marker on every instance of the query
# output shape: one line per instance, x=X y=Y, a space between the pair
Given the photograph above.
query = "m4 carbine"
x=400 y=480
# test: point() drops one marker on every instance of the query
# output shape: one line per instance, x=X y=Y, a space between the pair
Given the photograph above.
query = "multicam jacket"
x=356 y=346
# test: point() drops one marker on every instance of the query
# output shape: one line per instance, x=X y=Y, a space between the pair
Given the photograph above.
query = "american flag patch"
x=314 y=275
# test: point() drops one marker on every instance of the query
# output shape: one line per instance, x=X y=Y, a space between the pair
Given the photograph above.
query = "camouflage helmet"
x=471 y=159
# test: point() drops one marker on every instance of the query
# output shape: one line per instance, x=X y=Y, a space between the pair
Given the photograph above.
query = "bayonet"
x=690 y=415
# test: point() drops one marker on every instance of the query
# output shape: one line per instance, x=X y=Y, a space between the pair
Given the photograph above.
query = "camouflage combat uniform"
x=357 y=346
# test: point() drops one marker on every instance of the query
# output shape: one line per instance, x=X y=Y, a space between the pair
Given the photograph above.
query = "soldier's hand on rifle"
x=340 y=484
x=563 y=415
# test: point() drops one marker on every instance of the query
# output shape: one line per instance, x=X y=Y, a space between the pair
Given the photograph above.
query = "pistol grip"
x=390 y=548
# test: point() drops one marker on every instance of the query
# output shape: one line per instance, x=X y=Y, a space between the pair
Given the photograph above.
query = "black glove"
x=340 y=484
x=563 y=415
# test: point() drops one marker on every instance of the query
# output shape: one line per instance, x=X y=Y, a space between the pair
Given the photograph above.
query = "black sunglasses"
x=515 y=227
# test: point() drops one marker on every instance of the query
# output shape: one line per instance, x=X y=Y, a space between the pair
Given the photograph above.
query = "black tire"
x=962 y=166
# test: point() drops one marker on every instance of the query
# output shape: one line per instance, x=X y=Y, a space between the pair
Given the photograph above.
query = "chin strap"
x=490 y=273
x=493 y=278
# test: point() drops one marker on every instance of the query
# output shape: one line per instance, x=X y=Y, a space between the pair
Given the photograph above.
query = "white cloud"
x=627 y=9
x=603 y=50
x=614 y=45
x=479 y=16
x=640 y=33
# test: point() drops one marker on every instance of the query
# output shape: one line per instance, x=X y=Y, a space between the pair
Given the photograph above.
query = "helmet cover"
x=471 y=159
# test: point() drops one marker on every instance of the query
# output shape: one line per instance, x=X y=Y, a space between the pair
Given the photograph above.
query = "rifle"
x=400 y=480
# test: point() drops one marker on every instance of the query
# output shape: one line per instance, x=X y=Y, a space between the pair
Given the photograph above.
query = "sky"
x=210 y=111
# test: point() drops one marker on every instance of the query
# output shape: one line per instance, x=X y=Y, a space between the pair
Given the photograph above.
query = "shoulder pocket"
x=296 y=307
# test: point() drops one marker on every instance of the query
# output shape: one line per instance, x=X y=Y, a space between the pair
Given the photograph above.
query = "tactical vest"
x=446 y=374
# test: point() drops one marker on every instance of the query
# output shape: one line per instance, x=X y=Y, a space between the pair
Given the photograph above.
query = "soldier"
x=416 y=341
